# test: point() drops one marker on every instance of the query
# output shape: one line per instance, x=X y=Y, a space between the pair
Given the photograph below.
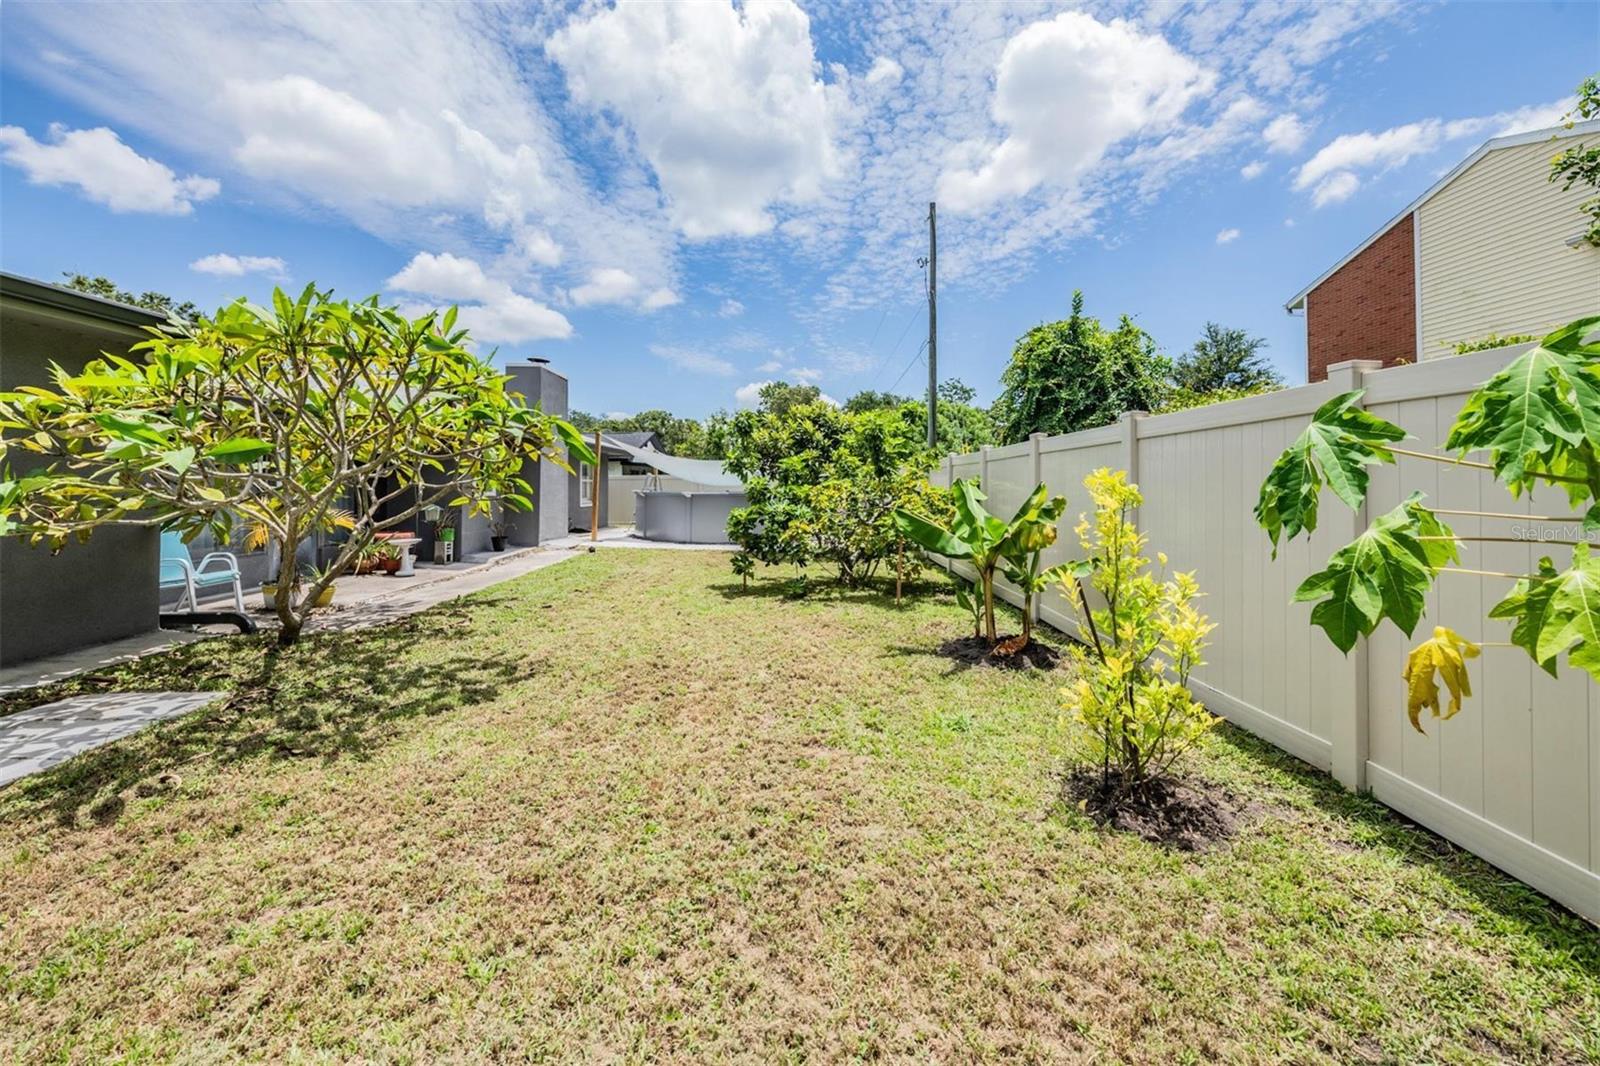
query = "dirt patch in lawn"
x=1186 y=814
x=975 y=651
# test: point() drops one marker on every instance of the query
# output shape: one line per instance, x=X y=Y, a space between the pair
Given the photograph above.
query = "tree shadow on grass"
x=878 y=591
x=335 y=695
x=1376 y=825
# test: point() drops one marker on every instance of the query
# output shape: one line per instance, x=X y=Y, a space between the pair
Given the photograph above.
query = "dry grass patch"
x=666 y=819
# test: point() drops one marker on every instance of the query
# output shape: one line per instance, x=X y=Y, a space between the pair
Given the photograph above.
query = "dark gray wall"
x=89 y=593
x=543 y=388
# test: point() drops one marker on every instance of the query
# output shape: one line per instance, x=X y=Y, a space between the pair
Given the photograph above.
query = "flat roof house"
x=89 y=593
x=1494 y=247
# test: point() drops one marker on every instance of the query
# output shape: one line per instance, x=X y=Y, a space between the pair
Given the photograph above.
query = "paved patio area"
x=41 y=737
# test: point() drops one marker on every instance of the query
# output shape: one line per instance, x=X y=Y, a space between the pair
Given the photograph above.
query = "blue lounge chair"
x=179 y=572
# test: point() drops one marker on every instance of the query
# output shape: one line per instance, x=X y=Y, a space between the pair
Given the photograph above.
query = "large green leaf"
x=1531 y=415
x=238 y=450
x=579 y=448
x=1384 y=573
x=929 y=536
x=981 y=529
x=1529 y=603
x=1335 y=449
x=1573 y=621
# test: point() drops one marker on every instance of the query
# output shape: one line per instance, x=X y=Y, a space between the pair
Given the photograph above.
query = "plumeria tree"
x=1537 y=421
x=314 y=414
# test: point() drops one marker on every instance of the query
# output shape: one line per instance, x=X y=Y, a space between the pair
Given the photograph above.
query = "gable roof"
x=1577 y=129
x=638 y=438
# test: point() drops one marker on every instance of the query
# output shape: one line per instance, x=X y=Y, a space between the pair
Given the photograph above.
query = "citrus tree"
x=822 y=486
x=314 y=414
x=1538 y=421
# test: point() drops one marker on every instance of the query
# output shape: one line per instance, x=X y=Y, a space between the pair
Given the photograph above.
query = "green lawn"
x=620 y=810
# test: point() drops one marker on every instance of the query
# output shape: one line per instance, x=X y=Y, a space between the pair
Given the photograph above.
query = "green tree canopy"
x=868 y=400
x=823 y=485
x=316 y=413
x=110 y=290
x=1225 y=360
x=780 y=397
x=1075 y=374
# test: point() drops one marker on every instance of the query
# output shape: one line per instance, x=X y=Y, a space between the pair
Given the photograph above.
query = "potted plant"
x=269 y=591
x=388 y=556
x=444 y=532
x=497 y=534
x=367 y=558
x=317 y=574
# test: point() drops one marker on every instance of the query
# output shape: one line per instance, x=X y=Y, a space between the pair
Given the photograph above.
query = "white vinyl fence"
x=621 y=487
x=1515 y=777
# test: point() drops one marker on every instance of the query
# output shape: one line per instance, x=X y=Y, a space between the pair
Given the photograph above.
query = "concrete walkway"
x=368 y=600
x=40 y=737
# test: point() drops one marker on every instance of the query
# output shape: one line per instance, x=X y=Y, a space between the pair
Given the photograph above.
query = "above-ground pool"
x=685 y=517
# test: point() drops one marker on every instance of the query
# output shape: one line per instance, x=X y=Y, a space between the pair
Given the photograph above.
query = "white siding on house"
x=1494 y=255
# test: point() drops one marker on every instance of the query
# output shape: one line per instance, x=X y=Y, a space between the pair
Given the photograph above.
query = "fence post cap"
x=1357 y=364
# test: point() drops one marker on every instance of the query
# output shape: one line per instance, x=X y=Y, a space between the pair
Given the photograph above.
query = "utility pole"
x=933 y=324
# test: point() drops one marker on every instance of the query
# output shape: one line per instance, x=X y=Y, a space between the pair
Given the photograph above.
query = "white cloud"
x=692 y=359
x=1282 y=59
x=1285 y=134
x=1253 y=170
x=806 y=375
x=104 y=170
x=749 y=396
x=885 y=71
x=1335 y=189
x=224 y=265
x=1333 y=174
x=615 y=286
x=1121 y=82
x=660 y=298
x=730 y=308
x=498 y=313
x=771 y=366
x=723 y=103
x=433 y=123
x=1227 y=236
x=609 y=285
x=327 y=143
x=449 y=130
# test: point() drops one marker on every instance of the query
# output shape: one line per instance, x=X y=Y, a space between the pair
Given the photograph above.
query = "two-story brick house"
x=1494 y=247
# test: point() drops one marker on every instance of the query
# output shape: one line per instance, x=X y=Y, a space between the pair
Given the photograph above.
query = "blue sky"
x=676 y=203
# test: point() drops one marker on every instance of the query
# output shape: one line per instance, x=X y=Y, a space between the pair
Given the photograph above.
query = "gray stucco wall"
x=89 y=593
x=547 y=390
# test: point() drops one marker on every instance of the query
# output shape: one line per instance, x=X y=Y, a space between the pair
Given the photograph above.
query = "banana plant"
x=990 y=544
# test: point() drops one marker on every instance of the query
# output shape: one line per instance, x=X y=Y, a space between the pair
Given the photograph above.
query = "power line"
x=914 y=360
x=915 y=311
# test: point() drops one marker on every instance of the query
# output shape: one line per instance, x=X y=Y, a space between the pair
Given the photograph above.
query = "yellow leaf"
x=1445 y=654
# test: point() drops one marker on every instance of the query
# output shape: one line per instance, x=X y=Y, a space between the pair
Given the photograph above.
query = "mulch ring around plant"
x=1004 y=653
x=1186 y=814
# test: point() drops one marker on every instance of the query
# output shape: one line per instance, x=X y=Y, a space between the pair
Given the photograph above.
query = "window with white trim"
x=585 y=485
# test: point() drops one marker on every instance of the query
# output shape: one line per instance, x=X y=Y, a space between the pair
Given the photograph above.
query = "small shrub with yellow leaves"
x=1130 y=711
